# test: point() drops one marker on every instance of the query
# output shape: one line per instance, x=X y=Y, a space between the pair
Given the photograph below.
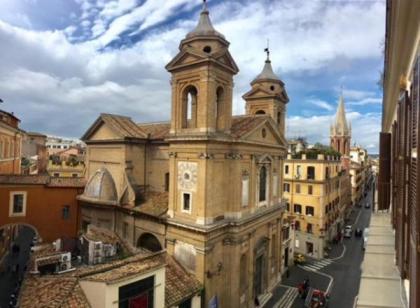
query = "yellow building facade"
x=312 y=192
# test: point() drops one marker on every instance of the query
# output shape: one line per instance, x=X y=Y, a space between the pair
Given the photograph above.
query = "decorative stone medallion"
x=187 y=176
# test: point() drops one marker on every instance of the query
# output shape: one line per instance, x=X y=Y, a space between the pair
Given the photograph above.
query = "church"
x=205 y=186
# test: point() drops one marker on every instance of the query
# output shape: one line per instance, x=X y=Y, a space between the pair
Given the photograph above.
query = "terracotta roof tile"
x=101 y=235
x=241 y=125
x=67 y=182
x=51 y=292
x=77 y=299
x=24 y=179
x=42 y=180
x=114 y=271
x=156 y=130
x=123 y=125
x=179 y=284
x=155 y=204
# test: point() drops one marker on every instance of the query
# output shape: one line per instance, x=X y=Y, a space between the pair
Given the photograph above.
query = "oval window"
x=272 y=88
x=207 y=49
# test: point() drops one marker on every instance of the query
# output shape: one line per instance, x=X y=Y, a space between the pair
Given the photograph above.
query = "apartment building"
x=391 y=267
x=359 y=171
x=312 y=192
x=10 y=143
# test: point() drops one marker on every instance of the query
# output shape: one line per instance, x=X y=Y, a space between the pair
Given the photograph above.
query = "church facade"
x=204 y=186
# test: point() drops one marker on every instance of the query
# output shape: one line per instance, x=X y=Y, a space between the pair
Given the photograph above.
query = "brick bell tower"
x=268 y=95
x=340 y=133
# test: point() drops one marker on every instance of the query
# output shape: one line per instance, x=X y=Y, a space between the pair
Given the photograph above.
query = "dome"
x=204 y=27
x=267 y=73
x=101 y=187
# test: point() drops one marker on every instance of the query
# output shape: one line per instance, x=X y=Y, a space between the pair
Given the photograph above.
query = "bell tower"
x=202 y=81
x=268 y=95
x=340 y=131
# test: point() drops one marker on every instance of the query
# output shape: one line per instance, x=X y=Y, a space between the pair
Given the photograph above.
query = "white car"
x=347 y=231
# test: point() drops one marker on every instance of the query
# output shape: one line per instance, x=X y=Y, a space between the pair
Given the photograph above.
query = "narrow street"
x=340 y=273
x=9 y=278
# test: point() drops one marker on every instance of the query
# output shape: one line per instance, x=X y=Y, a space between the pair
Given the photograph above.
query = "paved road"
x=346 y=271
x=9 y=279
x=342 y=269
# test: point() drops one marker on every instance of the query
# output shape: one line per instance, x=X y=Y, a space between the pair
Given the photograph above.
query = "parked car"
x=347 y=231
x=299 y=258
x=367 y=205
x=358 y=232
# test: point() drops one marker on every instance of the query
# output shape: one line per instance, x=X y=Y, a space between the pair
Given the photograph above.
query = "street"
x=339 y=274
x=8 y=278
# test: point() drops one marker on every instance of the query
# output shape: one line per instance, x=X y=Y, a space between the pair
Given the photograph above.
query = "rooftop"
x=64 y=290
x=42 y=180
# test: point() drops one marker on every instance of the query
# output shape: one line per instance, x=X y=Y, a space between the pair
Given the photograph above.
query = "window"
x=285 y=233
x=310 y=190
x=137 y=294
x=219 y=107
x=309 y=228
x=297 y=226
x=286 y=169
x=66 y=212
x=327 y=172
x=185 y=304
x=298 y=170
x=311 y=173
x=297 y=208
x=189 y=116
x=245 y=190
x=167 y=181
x=17 y=206
x=298 y=188
x=56 y=175
x=288 y=206
x=74 y=175
x=263 y=184
x=309 y=210
x=286 y=187
x=186 y=202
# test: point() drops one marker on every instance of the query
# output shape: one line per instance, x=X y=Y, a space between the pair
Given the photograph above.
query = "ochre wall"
x=44 y=207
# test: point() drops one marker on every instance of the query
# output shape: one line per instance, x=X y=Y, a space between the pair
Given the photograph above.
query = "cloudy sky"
x=62 y=62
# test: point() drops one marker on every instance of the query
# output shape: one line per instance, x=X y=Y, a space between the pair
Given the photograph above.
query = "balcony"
x=380 y=284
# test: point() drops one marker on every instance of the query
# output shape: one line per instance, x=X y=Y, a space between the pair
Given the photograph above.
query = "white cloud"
x=320 y=103
x=43 y=71
x=366 y=101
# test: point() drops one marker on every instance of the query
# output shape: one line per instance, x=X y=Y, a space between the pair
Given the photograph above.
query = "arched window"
x=263 y=184
x=260 y=112
x=149 y=242
x=219 y=106
x=189 y=115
